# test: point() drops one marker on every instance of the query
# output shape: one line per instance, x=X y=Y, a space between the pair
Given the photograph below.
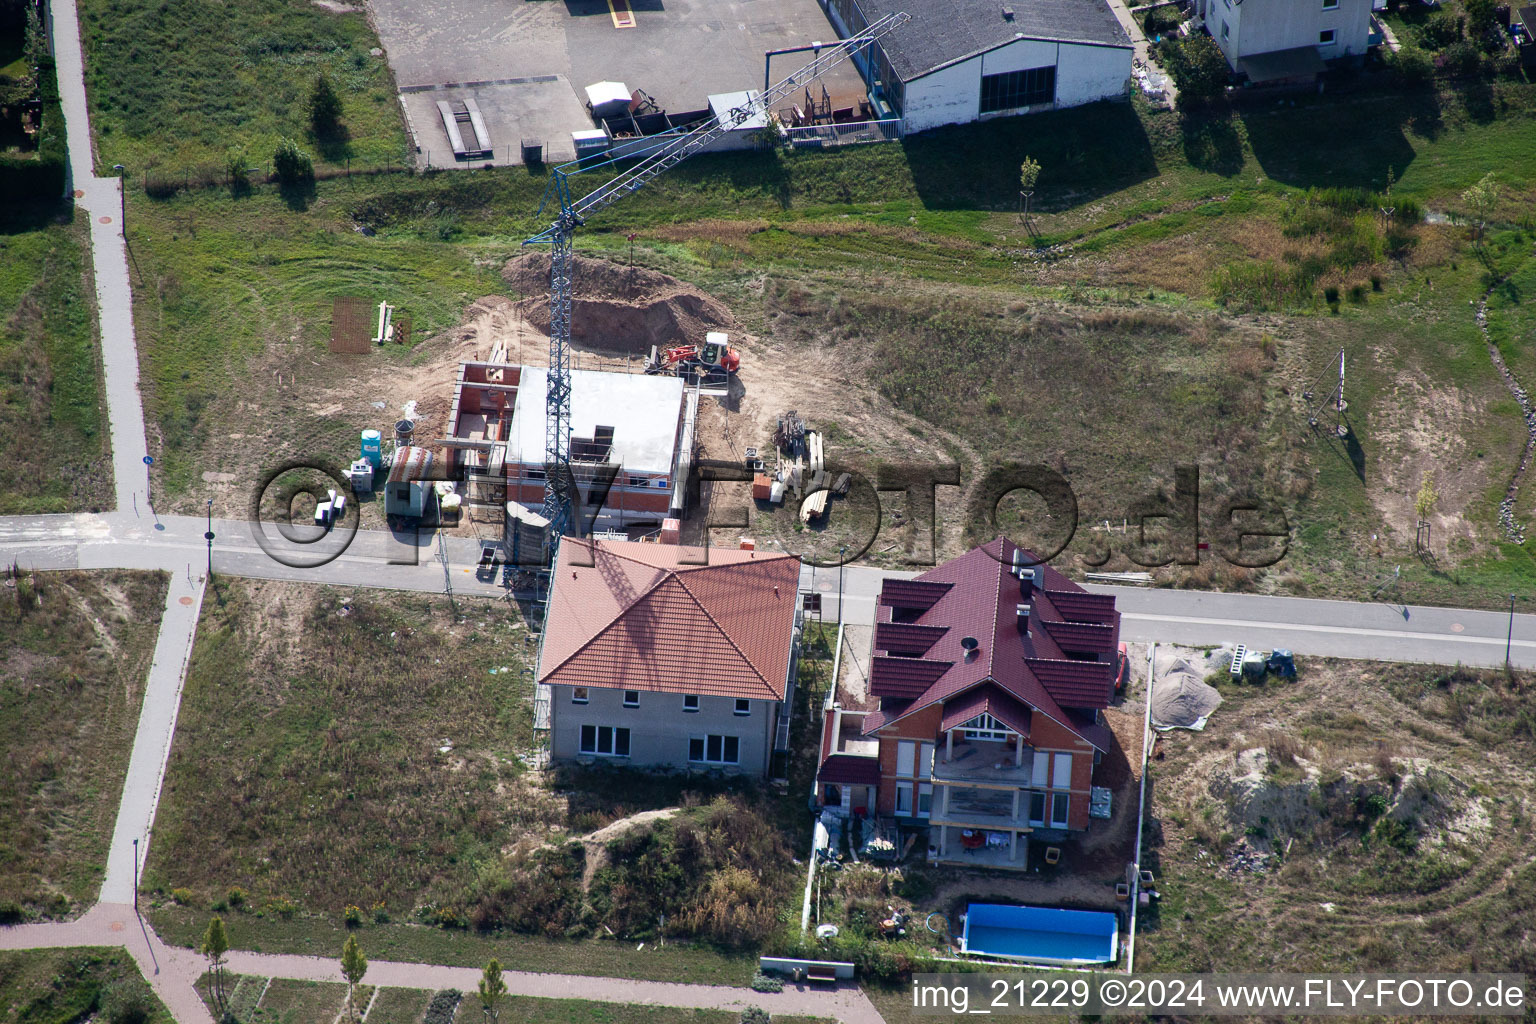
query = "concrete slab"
x=527 y=62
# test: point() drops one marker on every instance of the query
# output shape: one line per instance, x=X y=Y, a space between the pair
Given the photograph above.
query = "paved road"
x=1341 y=629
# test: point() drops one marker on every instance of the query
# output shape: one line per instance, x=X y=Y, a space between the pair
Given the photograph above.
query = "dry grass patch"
x=75 y=649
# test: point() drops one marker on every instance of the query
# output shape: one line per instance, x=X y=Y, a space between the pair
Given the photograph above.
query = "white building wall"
x=660 y=729
x=952 y=95
x=1265 y=26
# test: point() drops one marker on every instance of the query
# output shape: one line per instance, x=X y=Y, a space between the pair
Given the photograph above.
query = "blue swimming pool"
x=1040 y=934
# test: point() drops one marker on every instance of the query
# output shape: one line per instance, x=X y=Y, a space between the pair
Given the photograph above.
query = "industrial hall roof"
x=638 y=616
x=945 y=32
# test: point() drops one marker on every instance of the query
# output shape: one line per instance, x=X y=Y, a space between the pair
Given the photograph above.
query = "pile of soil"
x=619 y=309
x=1181 y=697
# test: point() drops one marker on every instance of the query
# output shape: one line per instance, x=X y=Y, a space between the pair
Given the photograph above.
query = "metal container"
x=404 y=431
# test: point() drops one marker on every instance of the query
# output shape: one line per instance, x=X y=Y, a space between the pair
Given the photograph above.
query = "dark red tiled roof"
x=642 y=618
x=977 y=596
x=906 y=637
x=850 y=770
x=989 y=700
x=1087 y=684
x=917 y=595
x=904 y=677
x=1082 y=637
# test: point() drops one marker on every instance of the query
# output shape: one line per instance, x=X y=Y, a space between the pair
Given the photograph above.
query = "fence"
x=819 y=136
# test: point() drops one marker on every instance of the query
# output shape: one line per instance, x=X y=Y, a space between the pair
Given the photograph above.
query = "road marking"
x=1295 y=627
x=622 y=16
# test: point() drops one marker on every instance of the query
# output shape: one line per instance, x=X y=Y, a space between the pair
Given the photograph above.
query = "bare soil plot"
x=1361 y=817
x=75 y=649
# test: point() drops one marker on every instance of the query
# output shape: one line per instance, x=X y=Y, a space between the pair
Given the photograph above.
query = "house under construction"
x=637 y=427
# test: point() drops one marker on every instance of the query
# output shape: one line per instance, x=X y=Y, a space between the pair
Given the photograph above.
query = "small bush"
x=1198 y=68
x=755 y=1015
x=282 y=907
x=1331 y=296
x=1439 y=30
x=1357 y=294
x=184 y=897
x=1464 y=57
x=236 y=897
x=1412 y=65
x=380 y=913
x=441 y=1009
x=352 y=916
x=1162 y=21
x=292 y=164
x=763 y=983
x=127 y=1003
x=324 y=107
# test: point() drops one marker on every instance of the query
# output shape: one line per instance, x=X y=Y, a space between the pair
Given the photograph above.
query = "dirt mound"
x=619 y=309
x=597 y=842
x=1181 y=698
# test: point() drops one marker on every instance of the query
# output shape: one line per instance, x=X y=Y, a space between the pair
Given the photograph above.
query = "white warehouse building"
x=959 y=61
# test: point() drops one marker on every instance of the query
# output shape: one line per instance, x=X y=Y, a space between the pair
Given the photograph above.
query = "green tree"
x=1481 y=198
x=292 y=164
x=215 y=945
x=353 y=966
x=1198 y=67
x=1029 y=174
x=1412 y=65
x=492 y=988
x=324 y=107
x=1480 y=16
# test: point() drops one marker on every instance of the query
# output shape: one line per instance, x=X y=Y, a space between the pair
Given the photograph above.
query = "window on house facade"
x=1040 y=773
x=921 y=792
x=579 y=695
x=743 y=706
x=690 y=702
x=1018 y=88
x=1037 y=808
x=906 y=757
x=1062 y=772
x=714 y=749
x=631 y=698
x=637 y=481
x=1223 y=30
x=1325 y=37
x=924 y=799
x=607 y=740
x=985 y=727
x=1330 y=5
x=1060 y=803
x=903 y=798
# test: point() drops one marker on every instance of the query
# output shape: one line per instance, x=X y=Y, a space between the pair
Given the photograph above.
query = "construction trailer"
x=407 y=491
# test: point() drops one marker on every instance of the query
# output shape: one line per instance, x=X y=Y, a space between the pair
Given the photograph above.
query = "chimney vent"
x=1022 y=611
x=1007 y=13
x=1018 y=562
x=970 y=645
x=1030 y=578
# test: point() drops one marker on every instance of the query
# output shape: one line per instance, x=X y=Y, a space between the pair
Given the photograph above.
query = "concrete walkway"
x=101 y=199
x=152 y=742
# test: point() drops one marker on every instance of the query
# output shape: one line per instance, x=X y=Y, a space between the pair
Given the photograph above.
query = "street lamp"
x=841 y=561
x=208 y=536
x=1510 y=638
x=135 y=874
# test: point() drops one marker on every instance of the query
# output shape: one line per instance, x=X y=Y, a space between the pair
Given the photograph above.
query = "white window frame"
x=631 y=698
x=925 y=760
x=580 y=695
x=687 y=697
x=924 y=800
x=906 y=758
x=743 y=707
x=1331 y=39
x=614 y=734
x=704 y=739
x=904 y=798
x=1064 y=801
x=985 y=727
x=1061 y=771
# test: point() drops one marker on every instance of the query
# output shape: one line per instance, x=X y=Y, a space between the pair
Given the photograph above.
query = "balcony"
x=984 y=761
x=985 y=808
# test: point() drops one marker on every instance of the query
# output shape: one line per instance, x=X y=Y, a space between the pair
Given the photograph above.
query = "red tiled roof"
x=989 y=700
x=976 y=596
x=906 y=637
x=904 y=677
x=640 y=618
x=1083 y=637
x=850 y=770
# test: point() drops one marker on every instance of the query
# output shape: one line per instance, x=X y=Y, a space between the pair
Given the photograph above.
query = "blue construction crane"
x=671 y=150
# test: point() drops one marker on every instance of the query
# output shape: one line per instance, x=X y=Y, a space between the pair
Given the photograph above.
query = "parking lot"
x=527 y=62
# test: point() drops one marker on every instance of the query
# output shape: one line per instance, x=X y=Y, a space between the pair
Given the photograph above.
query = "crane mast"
x=559 y=483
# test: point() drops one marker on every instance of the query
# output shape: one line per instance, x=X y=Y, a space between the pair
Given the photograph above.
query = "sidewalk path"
x=152 y=742
x=101 y=199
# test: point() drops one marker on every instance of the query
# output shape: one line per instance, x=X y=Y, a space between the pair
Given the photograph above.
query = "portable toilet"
x=373 y=447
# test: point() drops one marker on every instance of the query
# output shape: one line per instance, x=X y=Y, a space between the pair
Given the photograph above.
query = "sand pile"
x=619 y=309
x=1181 y=698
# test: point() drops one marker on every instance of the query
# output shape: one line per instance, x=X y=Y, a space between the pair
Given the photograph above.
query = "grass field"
x=60 y=985
x=374 y=733
x=75 y=649
x=53 y=423
x=239 y=83
x=1389 y=825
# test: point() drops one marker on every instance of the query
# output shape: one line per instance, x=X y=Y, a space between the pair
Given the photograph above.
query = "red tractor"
x=714 y=361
